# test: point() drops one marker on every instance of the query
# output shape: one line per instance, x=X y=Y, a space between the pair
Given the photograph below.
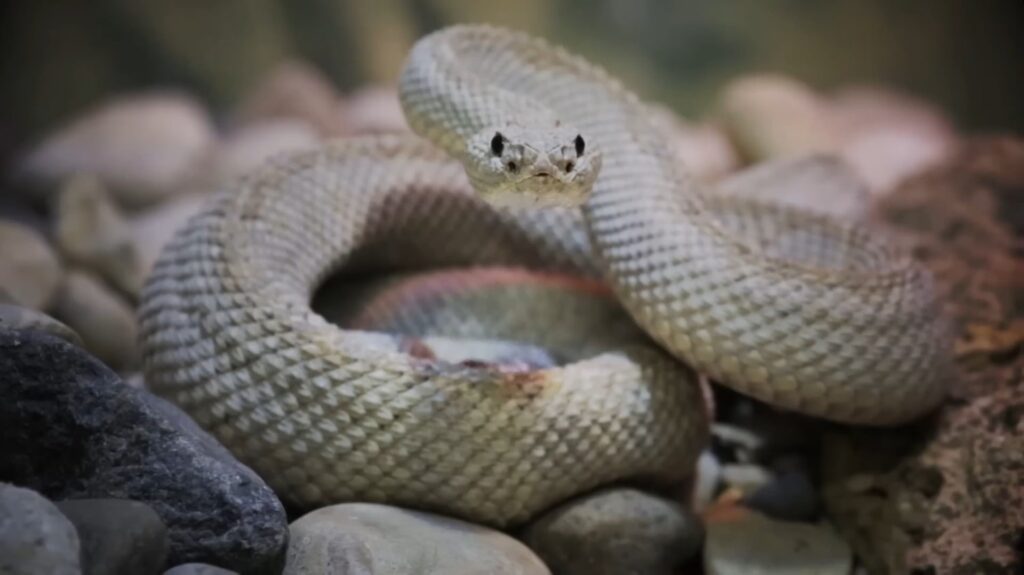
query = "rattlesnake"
x=790 y=307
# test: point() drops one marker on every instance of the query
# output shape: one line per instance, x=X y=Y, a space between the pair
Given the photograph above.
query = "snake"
x=524 y=157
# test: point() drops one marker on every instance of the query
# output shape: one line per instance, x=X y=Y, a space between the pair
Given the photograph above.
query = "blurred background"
x=61 y=56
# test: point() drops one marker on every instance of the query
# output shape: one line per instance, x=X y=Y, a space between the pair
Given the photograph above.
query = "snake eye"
x=497 y=144
x=580 y=145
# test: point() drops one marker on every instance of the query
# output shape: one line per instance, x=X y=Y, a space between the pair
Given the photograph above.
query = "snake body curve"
x=796 y=309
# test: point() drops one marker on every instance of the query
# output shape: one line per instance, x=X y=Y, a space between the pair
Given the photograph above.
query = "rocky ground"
x=100 y=476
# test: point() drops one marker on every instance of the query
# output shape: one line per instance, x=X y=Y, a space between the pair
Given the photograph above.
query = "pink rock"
x=374 y=110
x=294 y=90
x=887 y=136
x=251 y=145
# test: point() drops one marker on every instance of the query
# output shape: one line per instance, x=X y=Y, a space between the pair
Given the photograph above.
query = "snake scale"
x=796 y=309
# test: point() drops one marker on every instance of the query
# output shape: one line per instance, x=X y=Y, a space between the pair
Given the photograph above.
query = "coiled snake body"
x=792 y=308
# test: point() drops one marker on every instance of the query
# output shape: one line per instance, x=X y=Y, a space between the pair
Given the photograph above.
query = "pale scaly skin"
x=328 y=415
x=861 y=345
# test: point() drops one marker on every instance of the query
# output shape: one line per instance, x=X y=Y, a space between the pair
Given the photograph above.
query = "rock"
x=370 y=538
x=745 y=477
x=703 y=148
x=772 y=116
x=118 y=536
x=198 y=569
x=21 y=318
x=35 y=538
x=944 y=495
x=707 y=481
x=30 y=272
x=143 y=147
x=818 y=183
x=744 y=542
x=887 y=136
x=104 y=320
x=155 y=227
x=789 y=494
x=92 y=233
x=374 y=110
x=252 y=145
x=73 y=430
x=616 y=531
x=732 y=444
x=294 y=90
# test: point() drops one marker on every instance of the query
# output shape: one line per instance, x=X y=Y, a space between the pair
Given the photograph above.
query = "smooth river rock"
x=199 y=569
x=118 y=536
x=371 y=539
x=745 y=542
x=616 y=532
x=35 y=538
x=22 y=318
x=72 y=430
x=104 y=319
x=774 y=116
x=30 y=271
x=143 y=146
x=92 y=233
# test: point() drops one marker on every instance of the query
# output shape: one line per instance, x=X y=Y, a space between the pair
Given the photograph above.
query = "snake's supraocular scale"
x=790 y=307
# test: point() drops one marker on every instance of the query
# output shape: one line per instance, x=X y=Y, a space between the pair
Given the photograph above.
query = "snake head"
x=514 y=166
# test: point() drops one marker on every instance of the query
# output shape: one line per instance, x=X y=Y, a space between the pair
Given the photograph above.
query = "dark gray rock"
x=616 y=532
x=199 y=569
x=789 y=494
x=22 y=318
x=118 y=536
x=34 y=537
x=73 y=430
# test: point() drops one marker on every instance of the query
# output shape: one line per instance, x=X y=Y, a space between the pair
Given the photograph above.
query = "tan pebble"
x=30 y=271
x=93 y=234
x=102 y=318
x=142 y=146
x=773 y=116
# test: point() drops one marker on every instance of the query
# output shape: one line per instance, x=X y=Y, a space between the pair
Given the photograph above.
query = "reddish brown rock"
x=947 y=495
